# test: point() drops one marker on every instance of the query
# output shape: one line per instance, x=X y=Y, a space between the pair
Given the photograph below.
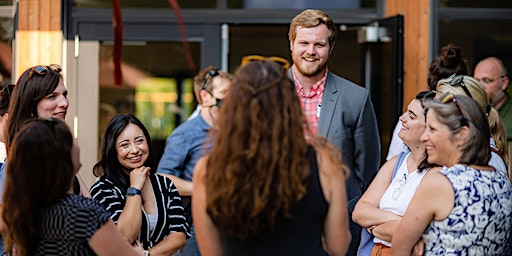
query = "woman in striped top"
x=145 y=206
x=41 y=213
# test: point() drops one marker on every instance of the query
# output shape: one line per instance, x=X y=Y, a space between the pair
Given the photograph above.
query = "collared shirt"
x=312 y=102
x=184 y=147
x=505 y=112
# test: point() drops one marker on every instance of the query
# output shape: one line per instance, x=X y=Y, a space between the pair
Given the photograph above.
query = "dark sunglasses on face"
x=459 y=81
x=282 y=61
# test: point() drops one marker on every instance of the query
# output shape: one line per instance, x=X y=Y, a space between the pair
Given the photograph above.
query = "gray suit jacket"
x=347 y=120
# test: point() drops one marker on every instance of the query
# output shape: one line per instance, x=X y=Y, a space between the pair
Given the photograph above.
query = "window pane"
x=184 y=4
x=157 y=87
x=347 y=58
x=476 y=3
x=234 y=4
x=485 y=38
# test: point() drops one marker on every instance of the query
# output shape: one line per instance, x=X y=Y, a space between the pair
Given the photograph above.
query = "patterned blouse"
x=481 y=220
x=168 y=203
x=67 y=225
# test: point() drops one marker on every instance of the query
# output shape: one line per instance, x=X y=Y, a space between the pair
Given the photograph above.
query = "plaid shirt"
x=312 y=102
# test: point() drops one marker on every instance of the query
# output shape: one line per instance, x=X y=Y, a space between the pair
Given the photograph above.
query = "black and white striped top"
x=168 y=204
x=67 y=225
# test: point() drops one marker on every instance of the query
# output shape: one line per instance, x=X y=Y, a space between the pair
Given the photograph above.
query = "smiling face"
x=311 y=50
x=413 y=124
x=440 y=143
x=54 y=104
x=132 y=148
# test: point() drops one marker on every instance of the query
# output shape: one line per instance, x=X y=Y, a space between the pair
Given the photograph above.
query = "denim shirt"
x=184 y=147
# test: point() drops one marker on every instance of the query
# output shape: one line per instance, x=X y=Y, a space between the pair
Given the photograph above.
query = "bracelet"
x=371 y=229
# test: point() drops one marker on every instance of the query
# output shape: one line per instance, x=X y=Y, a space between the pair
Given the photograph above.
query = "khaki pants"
x=380 y=250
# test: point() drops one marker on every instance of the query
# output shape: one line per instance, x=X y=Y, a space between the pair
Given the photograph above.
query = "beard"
x=496 y=97
x=308 y=70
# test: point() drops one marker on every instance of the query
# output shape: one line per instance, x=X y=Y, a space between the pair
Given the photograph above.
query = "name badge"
x=318 y=109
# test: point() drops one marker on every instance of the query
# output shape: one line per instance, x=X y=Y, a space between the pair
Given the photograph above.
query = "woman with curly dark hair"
x=265 y=188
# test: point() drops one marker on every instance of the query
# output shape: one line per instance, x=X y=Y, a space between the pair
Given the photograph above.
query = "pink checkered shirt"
x=312 y=102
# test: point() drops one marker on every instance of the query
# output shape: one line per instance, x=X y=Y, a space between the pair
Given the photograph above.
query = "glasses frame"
x=282 y=61
x=451 y=98
x=486 y=80
x=464 y=121
x=43 y=70
x=398 y=191
x=210 y=74
x=459 y=80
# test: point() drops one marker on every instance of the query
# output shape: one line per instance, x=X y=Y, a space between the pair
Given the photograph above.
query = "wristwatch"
x=133 y=191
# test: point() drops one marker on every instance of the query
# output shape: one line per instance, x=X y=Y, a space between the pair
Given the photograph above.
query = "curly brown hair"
x=257 y=170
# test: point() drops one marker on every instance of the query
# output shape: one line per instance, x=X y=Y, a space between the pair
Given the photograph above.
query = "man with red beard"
x=334 y=107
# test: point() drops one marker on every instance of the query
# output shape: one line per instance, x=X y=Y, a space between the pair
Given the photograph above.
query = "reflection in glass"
x=157 y=87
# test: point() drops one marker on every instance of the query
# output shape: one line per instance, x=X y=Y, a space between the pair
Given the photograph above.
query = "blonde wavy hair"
x=479 y=95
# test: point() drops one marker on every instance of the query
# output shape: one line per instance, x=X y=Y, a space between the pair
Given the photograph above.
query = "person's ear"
x=462 y=135
x=504 y=83
x=205 y=97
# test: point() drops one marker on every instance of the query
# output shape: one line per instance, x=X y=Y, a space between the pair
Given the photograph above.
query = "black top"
x=67 y=225
x=299 y=235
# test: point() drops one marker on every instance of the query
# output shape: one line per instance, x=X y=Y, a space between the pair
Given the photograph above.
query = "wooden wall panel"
x=416 y=43
x=39 y=35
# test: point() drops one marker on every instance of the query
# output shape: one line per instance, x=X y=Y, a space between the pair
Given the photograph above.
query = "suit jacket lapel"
x=329 y=101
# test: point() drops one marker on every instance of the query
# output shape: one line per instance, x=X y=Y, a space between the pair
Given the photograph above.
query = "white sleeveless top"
x=400 y=192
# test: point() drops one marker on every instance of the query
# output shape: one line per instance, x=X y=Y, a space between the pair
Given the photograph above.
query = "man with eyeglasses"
x=492 y=74
x=186 y=144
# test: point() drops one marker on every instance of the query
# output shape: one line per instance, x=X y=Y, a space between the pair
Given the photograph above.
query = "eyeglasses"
x=212 y=73
x=399 y=190
x=459 y=80
x=282 y=61
x=43 y=70
x=489 y=80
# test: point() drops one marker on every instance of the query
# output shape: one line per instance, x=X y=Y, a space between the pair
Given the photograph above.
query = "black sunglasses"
x=212 y=73
x=459 y=80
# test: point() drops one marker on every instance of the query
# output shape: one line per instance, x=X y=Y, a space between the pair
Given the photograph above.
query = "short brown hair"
x=201 y=83
x=312 y=18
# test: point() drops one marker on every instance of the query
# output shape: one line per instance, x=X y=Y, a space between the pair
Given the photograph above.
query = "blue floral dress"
x=480 y=221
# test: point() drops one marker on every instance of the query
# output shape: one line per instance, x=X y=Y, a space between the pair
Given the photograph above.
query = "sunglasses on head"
x=464 y=121
x=448 y=98
x=212 y=73
x=43 y=70
x=459 y=81
x=282 y=61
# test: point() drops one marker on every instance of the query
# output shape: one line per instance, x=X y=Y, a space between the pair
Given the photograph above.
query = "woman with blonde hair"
x=264 y=189
x=470 y=87
x=465 y=208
